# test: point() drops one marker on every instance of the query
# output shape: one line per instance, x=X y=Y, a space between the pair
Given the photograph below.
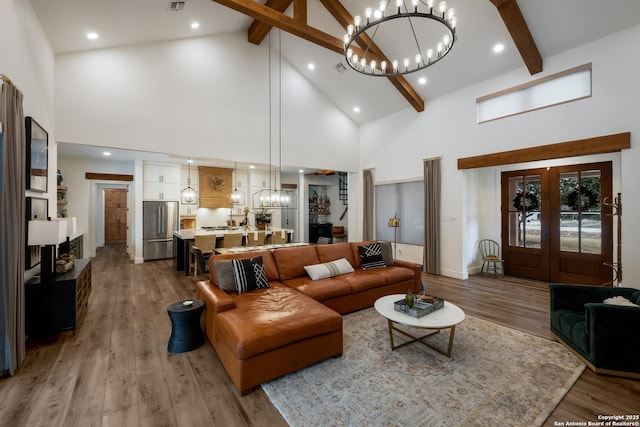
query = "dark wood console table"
x=58 y=305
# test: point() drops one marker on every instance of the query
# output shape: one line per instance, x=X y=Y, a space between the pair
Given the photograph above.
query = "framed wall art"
x=37 y=156
x=36 y=208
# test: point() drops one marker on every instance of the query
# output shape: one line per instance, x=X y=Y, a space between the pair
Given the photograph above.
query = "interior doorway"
x=115 y=216
x=553 y=225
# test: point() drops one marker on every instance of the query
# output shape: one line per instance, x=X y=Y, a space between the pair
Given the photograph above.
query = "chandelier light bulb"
x=453 y=21
x=442 y=7
x=430 y=4
x=395 y=65
x=346 y=39
x=446 y=39
x=418 y=59
x=367 y=13
x=415 y=5
x=350 y=29
x=439 y=48
x=349 y=53
x=398 y=4
x=383 y=66
x=382 y=5
x=429 y=54
x=354 y=59
x=356 y=20
x=406 y=63
x=451 y=13
x=373 y=66
x=363 y=63
x=377 y=14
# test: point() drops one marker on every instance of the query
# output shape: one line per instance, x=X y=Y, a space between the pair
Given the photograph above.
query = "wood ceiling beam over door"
x=344 y=18
x=519 y=30
x=581 y=147
x=279 y=20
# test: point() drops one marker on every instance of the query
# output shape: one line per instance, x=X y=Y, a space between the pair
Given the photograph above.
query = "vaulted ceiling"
x=531 y=30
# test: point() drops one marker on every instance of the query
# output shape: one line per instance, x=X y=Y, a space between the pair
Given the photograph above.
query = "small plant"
x=263 y=216
x=409 y=298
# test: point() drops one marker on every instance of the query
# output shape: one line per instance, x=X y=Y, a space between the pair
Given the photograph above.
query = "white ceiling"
x=556 y=26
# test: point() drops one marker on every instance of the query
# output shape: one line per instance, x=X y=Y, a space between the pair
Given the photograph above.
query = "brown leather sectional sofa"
x=296 y=322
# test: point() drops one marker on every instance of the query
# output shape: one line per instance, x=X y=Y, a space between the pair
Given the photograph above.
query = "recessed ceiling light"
x=422 y=80
x=189 y=160
x=498 y=48
x=106 y=153
x=195 y=25
x=311 y=66
x=300 y=170
x=92 y=36
x=252 y=166
x=356 y=109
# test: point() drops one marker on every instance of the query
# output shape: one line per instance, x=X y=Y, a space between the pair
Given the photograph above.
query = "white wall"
x=199 y=97
x=85 y=197
x=27 y=59
x=396 y=145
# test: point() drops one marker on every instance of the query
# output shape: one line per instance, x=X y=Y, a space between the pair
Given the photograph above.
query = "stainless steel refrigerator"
x=160 y=220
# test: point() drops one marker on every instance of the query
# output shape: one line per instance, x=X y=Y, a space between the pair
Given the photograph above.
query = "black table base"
x=186 y=332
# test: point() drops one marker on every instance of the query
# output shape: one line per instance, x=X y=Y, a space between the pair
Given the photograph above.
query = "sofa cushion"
x=371 y=256
x=328 y=269
x=285 y=316
x=572 y=326
x=322 y=289
x=224 y=275
x=335 y=251
x=356 y=253
x=249 y=274
x=291 y=261
x=268 y=263
x=387 y=252
x=362 y=280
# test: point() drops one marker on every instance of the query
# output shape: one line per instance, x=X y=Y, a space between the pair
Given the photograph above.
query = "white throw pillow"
x=619 y=300
x=328 y=269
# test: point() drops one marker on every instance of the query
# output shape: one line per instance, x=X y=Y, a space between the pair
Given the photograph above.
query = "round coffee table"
x=186 y=332
x=445 y=318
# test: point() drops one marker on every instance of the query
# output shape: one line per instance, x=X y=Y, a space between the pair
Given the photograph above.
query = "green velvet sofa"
x=605 y=337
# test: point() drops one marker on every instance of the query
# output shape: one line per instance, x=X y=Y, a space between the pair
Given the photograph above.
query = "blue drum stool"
x=186 y=332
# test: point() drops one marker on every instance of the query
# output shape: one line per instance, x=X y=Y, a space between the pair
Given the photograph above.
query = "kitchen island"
x=183 y=241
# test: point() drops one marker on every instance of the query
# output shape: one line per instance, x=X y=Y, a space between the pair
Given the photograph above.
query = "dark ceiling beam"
x=286 y=23
x=519 y=30
x=258 y=30
x=300 y=11
x=344 y=18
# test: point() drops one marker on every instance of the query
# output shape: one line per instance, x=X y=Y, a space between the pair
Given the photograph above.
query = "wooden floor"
x=116 y=370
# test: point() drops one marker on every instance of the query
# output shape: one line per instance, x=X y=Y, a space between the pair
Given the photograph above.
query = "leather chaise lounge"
x=295 y=322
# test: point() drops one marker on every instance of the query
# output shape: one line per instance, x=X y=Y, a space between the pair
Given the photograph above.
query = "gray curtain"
x=368 y=192
x=12 y=206
x=432 y=216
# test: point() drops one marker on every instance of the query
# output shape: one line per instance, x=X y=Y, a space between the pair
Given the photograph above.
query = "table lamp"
x=47 y=234
x=70 y=230
x=395 y=223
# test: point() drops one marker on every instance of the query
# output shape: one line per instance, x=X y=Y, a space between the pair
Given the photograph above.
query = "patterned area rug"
x=497 y=376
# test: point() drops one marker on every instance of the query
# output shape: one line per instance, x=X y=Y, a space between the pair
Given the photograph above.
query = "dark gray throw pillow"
x=249 y=274
x=371 y=256
x=387 y=252
x=224 y=275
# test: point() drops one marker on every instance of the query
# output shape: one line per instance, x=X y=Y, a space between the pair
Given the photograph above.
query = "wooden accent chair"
x=337 y=232
x=490 y=252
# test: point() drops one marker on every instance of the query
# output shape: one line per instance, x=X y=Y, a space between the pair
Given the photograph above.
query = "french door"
x=554 y=227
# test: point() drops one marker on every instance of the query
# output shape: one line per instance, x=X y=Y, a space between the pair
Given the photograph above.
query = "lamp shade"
x=394 y=222
x=42 y=233
x=69 y=223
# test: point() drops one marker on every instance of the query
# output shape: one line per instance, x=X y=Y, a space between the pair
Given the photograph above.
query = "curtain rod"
x=6 y=79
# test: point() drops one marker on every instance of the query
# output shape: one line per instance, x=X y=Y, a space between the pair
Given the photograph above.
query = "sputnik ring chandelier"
x=372 y=64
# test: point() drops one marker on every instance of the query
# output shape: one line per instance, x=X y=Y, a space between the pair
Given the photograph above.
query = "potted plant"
x=263 y=218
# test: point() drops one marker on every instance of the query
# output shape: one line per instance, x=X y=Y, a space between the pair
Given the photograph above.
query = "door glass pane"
x=580 y=220
x=524 y=211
